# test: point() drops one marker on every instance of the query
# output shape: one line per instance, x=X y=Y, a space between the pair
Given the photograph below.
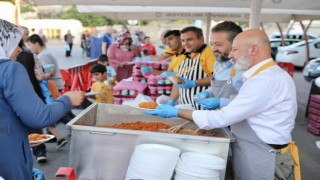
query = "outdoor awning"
x=189 y=13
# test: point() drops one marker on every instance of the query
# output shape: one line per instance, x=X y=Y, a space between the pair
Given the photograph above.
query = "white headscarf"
x=10 y=36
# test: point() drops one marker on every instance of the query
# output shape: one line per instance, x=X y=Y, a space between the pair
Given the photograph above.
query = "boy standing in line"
x=105 y=91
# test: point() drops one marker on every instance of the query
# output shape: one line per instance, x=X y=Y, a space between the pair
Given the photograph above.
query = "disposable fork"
x=175 y=129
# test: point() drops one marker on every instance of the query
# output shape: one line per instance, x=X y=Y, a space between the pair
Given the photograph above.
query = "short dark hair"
x=172 y=32
x=34 y=38
x=146 y=37
x=98 y=68
x=145 y=51
x=194 y=29
x=103 y=58
x=229 y=27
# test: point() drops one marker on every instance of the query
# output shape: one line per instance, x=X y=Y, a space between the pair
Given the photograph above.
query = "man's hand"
x=165 y=111
x=168 y=74
x=187 y=84
x=210 y=103
x=76 y=97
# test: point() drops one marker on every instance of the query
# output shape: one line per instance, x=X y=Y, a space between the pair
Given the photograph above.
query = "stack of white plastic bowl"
x=153 y=161
x=195 y=166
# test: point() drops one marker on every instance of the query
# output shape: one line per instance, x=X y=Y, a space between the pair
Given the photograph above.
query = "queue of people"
x=231 y=82
x=22 y=110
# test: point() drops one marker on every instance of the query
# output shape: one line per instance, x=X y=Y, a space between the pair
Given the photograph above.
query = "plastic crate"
x=315 y=98
x=314 y=104
x=314 y=124
x=314 y=111
x=313 y=130
x=314 y=117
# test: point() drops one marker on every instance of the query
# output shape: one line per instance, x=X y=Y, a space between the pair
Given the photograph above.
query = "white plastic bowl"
x=204 y=160
x=196 y=171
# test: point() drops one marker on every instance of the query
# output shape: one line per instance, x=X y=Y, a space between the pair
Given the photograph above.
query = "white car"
x=277 y=42
x=296 y=53
x=291 y=35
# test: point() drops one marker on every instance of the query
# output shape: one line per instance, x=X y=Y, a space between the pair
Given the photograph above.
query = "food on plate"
x=37 y=137
x=148 y=105
x=143 y=126
x=175 y=80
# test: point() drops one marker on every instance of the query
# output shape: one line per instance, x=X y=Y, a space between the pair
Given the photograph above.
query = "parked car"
x=296 y=53
x=277 y=42
x=312 y=69
x=292 y=35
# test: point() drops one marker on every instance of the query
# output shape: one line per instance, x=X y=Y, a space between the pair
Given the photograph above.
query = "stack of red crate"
x=158 y=86
x=314 y=115
x=158 y=66
x=128 y=90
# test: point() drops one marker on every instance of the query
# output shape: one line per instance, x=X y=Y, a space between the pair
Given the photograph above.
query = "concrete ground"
x=309 y=154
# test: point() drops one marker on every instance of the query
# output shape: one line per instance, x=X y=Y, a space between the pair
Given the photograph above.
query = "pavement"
x=309 y=153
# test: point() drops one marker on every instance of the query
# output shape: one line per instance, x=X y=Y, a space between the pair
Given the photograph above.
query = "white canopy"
x=190 y=13
x=309 y=5
x=278 y=10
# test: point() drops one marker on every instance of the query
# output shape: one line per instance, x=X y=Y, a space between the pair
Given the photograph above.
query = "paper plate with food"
x=142 y=102
x=39 y=138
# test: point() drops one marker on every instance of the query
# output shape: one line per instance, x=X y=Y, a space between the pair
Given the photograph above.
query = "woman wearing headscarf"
x=21 y=109
x=120 y=53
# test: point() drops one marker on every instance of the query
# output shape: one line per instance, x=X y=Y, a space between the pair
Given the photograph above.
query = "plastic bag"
x=139 y=99
x=163 y=100
x=66 y=47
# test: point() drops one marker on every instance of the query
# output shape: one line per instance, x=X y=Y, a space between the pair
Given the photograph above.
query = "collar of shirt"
x=246 y=75
x=225 y=64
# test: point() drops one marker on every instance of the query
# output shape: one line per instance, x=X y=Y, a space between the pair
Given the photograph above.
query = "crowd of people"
x=233 y=82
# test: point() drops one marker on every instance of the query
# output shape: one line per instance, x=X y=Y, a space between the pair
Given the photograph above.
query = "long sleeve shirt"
x=266 y=101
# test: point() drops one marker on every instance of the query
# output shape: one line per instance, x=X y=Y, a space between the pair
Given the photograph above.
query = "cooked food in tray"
x=143 y=126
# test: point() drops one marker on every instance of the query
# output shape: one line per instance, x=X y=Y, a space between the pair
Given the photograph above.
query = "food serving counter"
x=104 y=153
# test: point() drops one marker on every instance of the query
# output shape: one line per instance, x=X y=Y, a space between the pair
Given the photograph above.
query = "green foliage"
x=27 y=8
x=88 y=19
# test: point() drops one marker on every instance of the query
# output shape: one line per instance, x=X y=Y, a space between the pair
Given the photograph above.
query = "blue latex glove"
x=187 y=83
x=200 y=97
x=210 y=103
x=37 y=174
x=203 y=94
x=165 y=111
x=146 y=69
x=168 y=74
x=170 y=102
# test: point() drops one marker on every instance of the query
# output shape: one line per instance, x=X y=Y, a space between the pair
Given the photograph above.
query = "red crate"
x=315 y=98
x=313 y=130
x=314 y=124
x=65 y=173
x=314 y=111
x=314 y=104
x=314 y=117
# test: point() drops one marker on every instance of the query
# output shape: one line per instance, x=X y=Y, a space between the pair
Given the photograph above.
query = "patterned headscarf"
x=10 y=36
x=121 y=45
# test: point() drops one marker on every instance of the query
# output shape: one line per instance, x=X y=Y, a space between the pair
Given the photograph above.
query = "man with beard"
x=226 y=80
x=261 y=116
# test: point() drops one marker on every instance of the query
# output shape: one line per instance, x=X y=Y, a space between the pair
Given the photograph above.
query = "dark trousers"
x=41 y=149
x=68 y=53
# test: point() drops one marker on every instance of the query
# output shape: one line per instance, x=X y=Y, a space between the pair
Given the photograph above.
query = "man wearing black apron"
x=261 y=116
x=196 y=69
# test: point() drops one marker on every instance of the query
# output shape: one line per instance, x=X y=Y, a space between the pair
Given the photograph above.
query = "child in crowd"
x=105 y=90
x=145 y=56
x=111 y=73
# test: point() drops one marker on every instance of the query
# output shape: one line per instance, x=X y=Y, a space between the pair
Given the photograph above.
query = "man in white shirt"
x=261 y=116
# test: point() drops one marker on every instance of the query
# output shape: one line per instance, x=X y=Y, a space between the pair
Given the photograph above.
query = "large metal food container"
x=104 y=153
